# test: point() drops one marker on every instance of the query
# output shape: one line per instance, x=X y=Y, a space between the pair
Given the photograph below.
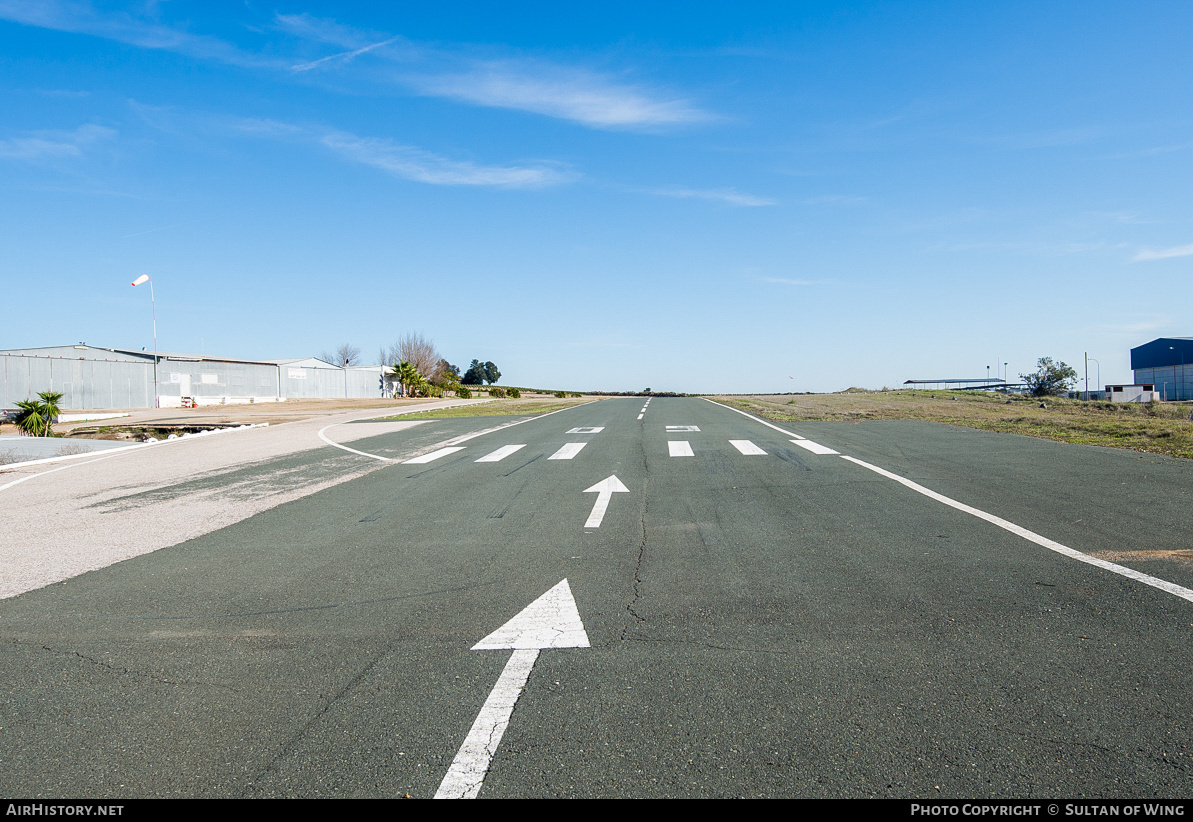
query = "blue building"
x=1166 y=363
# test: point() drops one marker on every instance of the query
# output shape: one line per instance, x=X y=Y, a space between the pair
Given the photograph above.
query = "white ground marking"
x=815 y=447
x=551 y=621
x=680 y=448
x=587 y=430
x=1031 y=536
x=605 y=489
x=501 y=453
x=568 y=451
x=434 y=455
x=755 y=419
x=671 y=429
x=454 y=441
x=114 y=452
x=746 y=447
x=640 y=416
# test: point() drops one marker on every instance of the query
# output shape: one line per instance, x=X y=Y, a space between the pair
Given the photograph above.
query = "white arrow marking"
x=605 y=489
x=551 y=621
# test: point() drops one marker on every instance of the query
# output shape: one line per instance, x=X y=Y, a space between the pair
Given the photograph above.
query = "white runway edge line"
x=1031 y=536
x=568 y=451
x=755 y=419
x=501 y=453
x=748 y=448
x=431 y=457
x=679 y=448
x=116 y=452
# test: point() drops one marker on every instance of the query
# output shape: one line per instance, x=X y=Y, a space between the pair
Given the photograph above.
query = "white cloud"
x=54 y=145
x=1165 y=253
x=424 y=167
x=567 y=94
x=81 y=18
x=343 y=56
x=718 y=195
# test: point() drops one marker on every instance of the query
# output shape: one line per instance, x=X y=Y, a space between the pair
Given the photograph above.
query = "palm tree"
x=29 y=420
x=49 y=408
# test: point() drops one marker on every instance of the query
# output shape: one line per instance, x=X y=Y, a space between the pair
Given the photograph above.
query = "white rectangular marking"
x=582 y=430
x=746 y=447
x=680 y=448
x=639 y=416
x=671 y=428
x=434 y=455
x=501 y=453
x=815 y=447
x=568 y=451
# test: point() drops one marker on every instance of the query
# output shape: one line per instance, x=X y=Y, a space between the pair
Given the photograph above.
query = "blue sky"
x=691 y=197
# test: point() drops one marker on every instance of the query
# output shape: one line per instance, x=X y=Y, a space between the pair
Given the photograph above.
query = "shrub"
x=561 y=394
x=496 y=392
x=514 y=393
x=463 y=393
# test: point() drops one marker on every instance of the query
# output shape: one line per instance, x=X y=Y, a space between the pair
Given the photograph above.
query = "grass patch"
x=494 y=408
x=1158 y=428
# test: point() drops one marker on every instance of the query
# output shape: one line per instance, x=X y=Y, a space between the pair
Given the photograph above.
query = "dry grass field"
x=1161 y=428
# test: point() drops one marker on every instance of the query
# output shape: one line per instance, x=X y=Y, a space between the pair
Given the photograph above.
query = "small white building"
x=1132 y=393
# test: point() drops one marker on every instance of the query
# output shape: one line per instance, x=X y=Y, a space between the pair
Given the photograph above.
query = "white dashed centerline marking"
x=748 y=448
x=434 y=455
x=501 y=453
x=815 y=447
x=639 y=416
x=680 y=448
x=568 y=451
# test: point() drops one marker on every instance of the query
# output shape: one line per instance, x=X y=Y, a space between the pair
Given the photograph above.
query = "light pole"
x=145 y=278
x=1098 y=383
x=1178 y=385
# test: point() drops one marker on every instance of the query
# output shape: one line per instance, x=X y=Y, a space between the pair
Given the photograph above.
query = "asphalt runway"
x=752 y=616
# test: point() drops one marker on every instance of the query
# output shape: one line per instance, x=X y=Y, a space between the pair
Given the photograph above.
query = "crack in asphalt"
x=637 y=584
x=99 y=663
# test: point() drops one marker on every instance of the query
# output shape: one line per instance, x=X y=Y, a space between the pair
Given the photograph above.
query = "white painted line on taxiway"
x=551 y=621
x=454 y=440
x=586 y=430
x=501 y=453
x=434 y=455
x=116 y=452
x=755 y=419
x=679 y=448
x=675 y=429
x=815 y=447
x=568 y=451
x=1031 y=536
x=639 y=416
x=748 y=448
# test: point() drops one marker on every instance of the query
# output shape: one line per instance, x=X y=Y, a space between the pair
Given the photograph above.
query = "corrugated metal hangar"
x=89 y=377
x=1167 y=363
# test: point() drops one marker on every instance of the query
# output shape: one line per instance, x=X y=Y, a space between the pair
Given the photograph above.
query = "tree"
x=475 y=375
x=1049 y=378
x=491 y=373
x=447 y=376
x=36 y=418
x=405 y=375
x=343 y=356
x=418 y=351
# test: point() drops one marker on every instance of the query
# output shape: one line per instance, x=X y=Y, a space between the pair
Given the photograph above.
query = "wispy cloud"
x=343 y=56
x=81 y=18
x=54 y=145
x=1165 y=253
x=540 y=87
x=729 y=196
x=787 y=281
x=555 y=91
x=397 y=159
x=424 y=167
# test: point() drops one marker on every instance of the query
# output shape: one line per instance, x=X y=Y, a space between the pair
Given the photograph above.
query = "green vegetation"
x=481 y=372
x=1159 y=428
x=37 y=416
x=527 y=407
x=1049 y=378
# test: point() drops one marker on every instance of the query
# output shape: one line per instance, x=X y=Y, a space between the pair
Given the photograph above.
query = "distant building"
x=90 y=377
x=1166 y=363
